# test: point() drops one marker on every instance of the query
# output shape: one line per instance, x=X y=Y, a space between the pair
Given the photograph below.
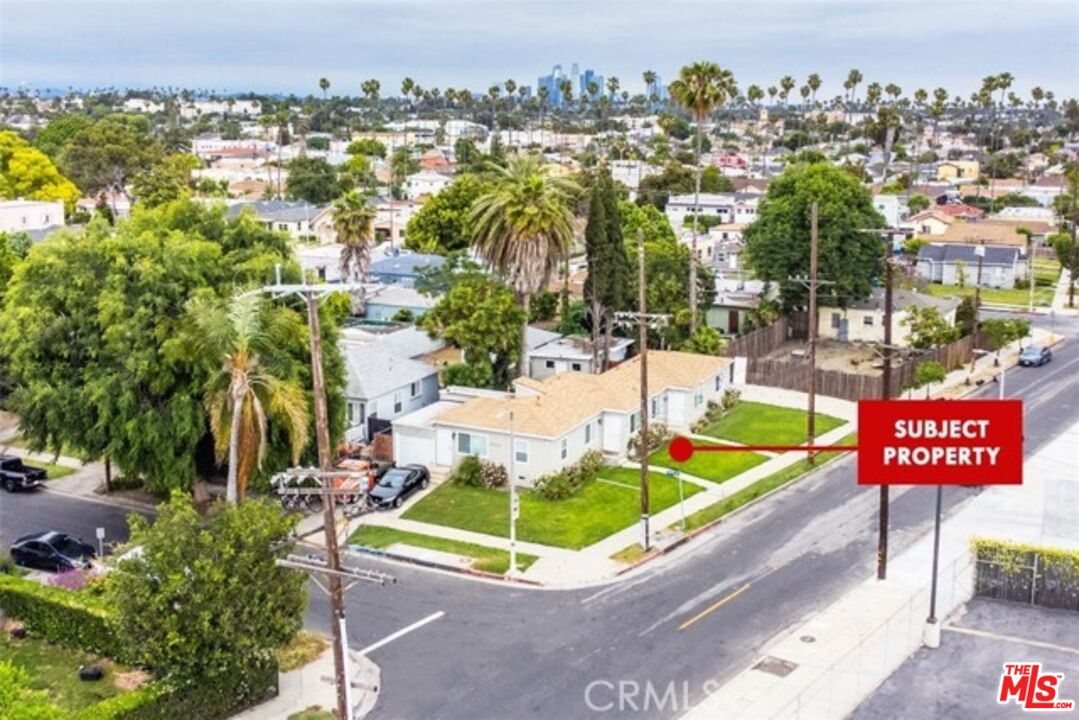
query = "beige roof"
x=566 y=400
x=990 y=232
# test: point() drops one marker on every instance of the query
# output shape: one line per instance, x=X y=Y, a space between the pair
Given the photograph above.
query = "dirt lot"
x=845 y=357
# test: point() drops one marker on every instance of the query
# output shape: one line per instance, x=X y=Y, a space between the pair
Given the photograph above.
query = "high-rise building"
x=657 y=89
x=553 y=83
x=590 y=76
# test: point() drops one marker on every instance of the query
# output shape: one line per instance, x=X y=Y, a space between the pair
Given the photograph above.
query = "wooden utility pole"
x=811 y=322
x=886 y=394
x=643 y=447
x=979 y=250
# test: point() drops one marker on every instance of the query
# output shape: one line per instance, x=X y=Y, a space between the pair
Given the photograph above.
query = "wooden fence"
x=764 y=340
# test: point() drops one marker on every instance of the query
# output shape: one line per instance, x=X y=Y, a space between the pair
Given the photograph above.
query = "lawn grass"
x=714 y=466
x=312 y=713
x=598 y=510
x=753 y=423
x=629 y=554
x=1046 y=271
x=484 y=558
x=54 y=670
x=304 y=648
x=762 y=486
x=52 y=472
x=1043 y=295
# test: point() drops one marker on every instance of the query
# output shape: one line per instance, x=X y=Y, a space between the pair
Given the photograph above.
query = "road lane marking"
x=723 y=601
x=1010 y=638
x=403 y=631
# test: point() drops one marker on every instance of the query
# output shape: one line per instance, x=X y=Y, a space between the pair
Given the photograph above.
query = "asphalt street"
x=500 y=652
x=504 y=653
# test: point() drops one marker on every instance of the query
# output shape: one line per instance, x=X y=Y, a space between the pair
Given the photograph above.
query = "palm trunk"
x=522 y=359
x=693 y=246
x=232 y=494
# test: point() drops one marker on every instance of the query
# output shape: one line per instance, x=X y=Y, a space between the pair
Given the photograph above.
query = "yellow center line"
x=723 y=601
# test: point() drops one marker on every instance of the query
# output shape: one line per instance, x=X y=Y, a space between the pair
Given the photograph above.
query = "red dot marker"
x=681 y=449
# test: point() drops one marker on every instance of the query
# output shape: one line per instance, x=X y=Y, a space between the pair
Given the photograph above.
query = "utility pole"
x=886 y=394
x=811 y=321
x=515 y=504
x=644 y=321
x=979 y=250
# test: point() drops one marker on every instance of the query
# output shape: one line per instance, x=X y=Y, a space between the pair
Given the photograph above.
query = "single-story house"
x=958 y=170
x=556 y=420
x=426 y=183
x=572 y=354
x=28 y=215
x=403 y=268
x=948 y=263
x=303 y=221
x=728 y=312
x=385 y=301
x=863 y=320
x=382 y=386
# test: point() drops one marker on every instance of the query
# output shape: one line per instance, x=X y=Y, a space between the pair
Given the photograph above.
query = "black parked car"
x=1035 y=355
x=14 y=475
x=52 y=551
x=397 y=484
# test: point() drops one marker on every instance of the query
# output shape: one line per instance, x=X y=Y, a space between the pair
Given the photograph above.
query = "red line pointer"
x=682 y=448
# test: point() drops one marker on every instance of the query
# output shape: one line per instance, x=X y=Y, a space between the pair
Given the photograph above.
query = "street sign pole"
x=515 y=503
x=932 y=627
x=100 y=542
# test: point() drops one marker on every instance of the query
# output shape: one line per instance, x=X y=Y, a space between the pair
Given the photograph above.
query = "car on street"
x=396 y=485
x=1035 y=355
x=52 y=550
x=15 y=475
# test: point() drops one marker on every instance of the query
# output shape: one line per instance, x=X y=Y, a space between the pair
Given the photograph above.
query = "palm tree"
x=814 y=83
x=353 y=222
x=246 y=389
x=613 y=83
x=786 y=83
x=854 y=78
x=324 y=85
x=523 y=227
x=649 y=77
x=700 y=87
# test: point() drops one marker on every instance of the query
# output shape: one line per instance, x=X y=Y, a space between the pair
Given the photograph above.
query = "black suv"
x=14 y=475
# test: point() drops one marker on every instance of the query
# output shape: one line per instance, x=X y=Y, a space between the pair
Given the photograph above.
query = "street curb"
x=383 y=555
x=132 y=505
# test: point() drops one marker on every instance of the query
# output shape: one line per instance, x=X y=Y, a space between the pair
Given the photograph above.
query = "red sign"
x=940 y=442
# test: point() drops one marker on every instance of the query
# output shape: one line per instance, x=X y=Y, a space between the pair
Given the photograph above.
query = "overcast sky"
x=286 y=45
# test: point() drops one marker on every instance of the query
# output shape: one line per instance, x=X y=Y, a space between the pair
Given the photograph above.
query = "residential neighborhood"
x=462 y=360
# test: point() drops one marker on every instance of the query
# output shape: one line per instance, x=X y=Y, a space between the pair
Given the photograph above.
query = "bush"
x=73 y=619
x=568 y=482
x=658 y=434
x=729 y=400
x=475 y=472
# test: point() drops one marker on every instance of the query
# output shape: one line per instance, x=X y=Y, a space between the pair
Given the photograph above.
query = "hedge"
x=74 y=619
x=80 y=620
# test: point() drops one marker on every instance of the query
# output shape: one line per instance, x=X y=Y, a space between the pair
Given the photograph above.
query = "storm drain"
x=775 y=666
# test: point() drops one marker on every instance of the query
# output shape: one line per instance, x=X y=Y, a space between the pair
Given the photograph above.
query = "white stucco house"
x=947 y=263
x=30 y=215
x=863 y=320
x=425 y=183
x=559 y=419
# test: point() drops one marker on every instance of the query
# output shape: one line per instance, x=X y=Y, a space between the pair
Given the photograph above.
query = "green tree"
x=106 y=155
x=314 y=180
x=522 y=227
x=777 y=242
x=205 y=598
x=700 y=88
x=928 y=328
x=608 y=266
x=54 y=136
x=1000 y=332
x=918 y=202
x=482 y=317
x=926 y=374
x=26 y=172
x=19 y=701
x=368 y=147
x=165 y=181
x=443 y=223
x=353 y=221
x=706 y=341
x=247 y=387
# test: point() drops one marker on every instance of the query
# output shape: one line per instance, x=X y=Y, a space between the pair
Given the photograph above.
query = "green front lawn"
x=54 y=670
x=753 y=423
x=714 y=466
x=598 y=510
x=1043 y=295
x=52 y=472
x=764 y=485
x=484 y=558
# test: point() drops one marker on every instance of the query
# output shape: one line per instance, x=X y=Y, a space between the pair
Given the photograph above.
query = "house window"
x=354 y=413
x=549 y=364
x=835 y=320
x=414 y=390
x=469 y=444
x=563 y=448
x=633 y=422
x=655 y=407
x=719 y=382
x=698 y=398
x=520 y=451
x=398 y=402
x=576 y=367
x=587 y=433
x=867 y=320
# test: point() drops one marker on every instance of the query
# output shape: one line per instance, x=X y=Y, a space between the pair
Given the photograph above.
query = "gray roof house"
x=381 y=386
x=301 y=220
x=948 y=263
x=570 y=353
x=403 y=269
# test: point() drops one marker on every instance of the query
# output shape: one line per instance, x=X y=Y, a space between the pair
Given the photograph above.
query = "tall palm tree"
x=700 y=87
x=523 y=227
x=649 y=77
x=324 y=85
x=353 y=222
x=814 y=83
x=246 y=389
x=786 y=83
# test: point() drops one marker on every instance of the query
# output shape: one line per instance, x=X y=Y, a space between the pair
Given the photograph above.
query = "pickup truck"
x=14 y=475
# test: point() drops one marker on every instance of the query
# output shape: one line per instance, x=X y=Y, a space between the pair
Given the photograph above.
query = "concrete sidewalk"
x=825 y=667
